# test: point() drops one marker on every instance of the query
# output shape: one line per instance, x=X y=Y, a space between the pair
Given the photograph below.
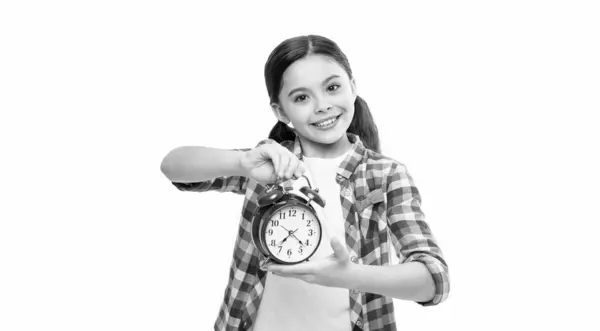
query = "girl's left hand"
x=333 y=271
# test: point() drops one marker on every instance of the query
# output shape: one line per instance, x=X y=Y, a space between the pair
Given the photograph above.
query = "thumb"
x=339 y=249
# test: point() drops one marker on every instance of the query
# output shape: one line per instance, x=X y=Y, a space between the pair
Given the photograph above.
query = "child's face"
x=317 y=88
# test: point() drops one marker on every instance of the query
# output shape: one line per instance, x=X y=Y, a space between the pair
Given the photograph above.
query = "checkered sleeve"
x=235 y=184
x=411 y=235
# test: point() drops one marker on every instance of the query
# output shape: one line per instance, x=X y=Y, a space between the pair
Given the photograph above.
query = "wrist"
x=239 y=168
x=354 y=276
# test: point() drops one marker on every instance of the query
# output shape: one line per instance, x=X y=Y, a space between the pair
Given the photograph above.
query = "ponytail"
x=364 y=126
x=281 y=132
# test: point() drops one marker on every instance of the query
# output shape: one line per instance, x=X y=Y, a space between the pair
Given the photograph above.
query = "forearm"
x=406 y=281
x=188 y=164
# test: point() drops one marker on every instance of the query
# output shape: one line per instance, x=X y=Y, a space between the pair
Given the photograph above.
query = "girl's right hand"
x=269 y=163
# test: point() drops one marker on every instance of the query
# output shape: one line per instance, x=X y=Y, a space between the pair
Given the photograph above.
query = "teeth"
x=326 y=123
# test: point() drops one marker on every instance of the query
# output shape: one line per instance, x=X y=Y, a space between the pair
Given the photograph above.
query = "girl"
x=326 y=131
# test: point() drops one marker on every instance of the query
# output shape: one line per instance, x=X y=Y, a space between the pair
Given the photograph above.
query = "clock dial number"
x=308 y=222
x=290 y=213
x=274 y=222
x=311 y=232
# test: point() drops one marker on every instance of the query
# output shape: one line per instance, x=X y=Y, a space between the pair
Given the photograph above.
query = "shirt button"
x=351 y=227
x=353 y=259
x=359 y=323
x=346 y=193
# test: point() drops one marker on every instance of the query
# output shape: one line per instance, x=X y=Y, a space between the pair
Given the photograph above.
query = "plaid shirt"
x=368 y=182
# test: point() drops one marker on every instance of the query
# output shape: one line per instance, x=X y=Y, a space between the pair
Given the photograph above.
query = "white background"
x=492 y=106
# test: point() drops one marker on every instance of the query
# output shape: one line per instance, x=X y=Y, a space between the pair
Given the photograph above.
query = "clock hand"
x=284 y=239
x=300 y=241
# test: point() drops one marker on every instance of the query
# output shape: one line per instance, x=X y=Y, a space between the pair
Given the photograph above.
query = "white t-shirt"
x=293 y=305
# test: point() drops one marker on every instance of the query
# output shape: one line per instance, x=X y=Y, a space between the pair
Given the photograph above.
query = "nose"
x=323 y=105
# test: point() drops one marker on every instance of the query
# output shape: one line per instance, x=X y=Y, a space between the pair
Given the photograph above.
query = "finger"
x=297 y=171
x=339 y=249
x=274 y=156
x=300 y=170
x=285 y=275
x=281 y=160
x=293 y=165
x=284 y=162
x=296 y=269
x=303 y=277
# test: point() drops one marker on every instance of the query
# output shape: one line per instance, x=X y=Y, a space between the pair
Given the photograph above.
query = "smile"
x=328 y=122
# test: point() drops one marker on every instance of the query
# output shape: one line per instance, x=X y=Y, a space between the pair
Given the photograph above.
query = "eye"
x=300 y=98
x=333 y=87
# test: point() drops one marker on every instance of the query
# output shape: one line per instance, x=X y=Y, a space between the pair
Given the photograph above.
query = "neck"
x=326 y=151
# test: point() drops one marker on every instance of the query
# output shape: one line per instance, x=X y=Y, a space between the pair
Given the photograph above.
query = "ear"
x=353 y=87
x=279 y=113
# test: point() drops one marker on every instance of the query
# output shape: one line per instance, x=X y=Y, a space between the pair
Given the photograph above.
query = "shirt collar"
x=352 y=160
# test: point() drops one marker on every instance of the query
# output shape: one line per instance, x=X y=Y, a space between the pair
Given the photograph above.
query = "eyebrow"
x=303 y=88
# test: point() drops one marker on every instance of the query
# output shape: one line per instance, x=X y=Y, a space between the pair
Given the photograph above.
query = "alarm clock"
x=285 y=226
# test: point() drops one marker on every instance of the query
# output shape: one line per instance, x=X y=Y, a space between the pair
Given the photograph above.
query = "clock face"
x=292 y=234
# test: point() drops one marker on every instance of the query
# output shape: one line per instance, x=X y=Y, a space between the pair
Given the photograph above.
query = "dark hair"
x=293 y=49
